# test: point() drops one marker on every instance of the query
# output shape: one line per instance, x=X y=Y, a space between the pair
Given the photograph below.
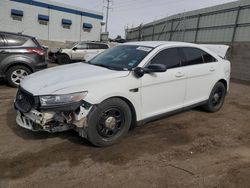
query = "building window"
x=87 y=27
x=16 y=14
x=43 y=19
x=66 y=23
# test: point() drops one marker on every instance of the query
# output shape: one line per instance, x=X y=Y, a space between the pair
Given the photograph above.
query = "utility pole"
x=107 y=14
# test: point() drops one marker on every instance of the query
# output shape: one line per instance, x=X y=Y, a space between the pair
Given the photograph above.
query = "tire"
x=15 y=74
x=216 y=98
x=63 y=59
x=109 y=122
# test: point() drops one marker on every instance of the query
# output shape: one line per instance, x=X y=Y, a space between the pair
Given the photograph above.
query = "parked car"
x=20 y=55
x=80 y=51
x=129 y=84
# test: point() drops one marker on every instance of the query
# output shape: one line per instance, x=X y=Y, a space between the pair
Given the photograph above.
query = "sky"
x=131 y=13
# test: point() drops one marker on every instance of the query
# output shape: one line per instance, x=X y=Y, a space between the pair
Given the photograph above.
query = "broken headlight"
x=54 y=100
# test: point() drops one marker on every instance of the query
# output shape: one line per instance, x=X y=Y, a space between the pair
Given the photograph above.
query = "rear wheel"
x=216 y=99
x=63 y=59
x=15 y=75
x=109 y=122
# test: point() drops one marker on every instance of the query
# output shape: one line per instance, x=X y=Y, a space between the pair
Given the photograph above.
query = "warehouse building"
x=224 y=24
x=50 y=21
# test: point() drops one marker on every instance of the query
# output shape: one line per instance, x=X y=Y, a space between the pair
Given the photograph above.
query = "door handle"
x=212 y=69
x=179 y=74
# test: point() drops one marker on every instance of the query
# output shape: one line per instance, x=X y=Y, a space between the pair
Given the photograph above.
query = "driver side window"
x=168 y=57
x=81 y=46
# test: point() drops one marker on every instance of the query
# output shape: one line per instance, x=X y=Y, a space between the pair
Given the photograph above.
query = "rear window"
x=13 y=40
x=196 y=56
x=208 y=58
x=97 y=46
x=193 y=56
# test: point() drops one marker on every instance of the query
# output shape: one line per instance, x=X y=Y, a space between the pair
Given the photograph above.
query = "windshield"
x=123 y=57
x=71 y=45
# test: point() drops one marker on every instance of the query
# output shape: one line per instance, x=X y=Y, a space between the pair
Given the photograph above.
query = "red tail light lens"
x=36 y=50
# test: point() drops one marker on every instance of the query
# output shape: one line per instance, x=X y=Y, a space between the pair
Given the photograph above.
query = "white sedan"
x=129 y=84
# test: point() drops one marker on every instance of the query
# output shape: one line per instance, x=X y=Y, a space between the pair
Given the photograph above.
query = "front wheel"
x=15 y=74
x=216 y=98
x=63 y=59
x=109 y=122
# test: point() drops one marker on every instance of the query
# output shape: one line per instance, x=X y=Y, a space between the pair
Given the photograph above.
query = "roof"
x=17 y=34
x=155 y=44
x=219 y=50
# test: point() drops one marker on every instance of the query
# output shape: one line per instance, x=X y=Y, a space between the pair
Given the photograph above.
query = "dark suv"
x=20 y=55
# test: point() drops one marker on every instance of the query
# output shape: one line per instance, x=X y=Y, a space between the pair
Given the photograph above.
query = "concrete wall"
x=239 y=57
x=54 y=30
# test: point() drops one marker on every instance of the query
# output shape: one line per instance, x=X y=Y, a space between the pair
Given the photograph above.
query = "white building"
x=49 y=20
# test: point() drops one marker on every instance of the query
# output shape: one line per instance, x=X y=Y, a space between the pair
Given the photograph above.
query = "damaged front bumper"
x=54 y=120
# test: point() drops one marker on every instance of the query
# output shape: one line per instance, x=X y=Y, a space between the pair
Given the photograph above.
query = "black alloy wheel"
x=109 y=122
x=217 y=98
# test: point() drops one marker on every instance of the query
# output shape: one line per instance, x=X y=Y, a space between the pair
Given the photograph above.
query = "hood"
x=220 y=50
x=68 y=78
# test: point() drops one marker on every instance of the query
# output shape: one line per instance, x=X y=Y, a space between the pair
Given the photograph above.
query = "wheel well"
x=224 y=82
x=18 y=64
x=133 y=112
x=64 y=54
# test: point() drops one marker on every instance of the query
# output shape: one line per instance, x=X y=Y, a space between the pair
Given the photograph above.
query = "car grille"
x=24 y=101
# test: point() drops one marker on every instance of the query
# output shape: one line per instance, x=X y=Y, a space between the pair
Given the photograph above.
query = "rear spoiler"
x=220 y=50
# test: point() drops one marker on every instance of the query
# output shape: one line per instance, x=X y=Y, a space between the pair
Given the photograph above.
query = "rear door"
x=164 y=92
x=80 y=51
x=201 y=68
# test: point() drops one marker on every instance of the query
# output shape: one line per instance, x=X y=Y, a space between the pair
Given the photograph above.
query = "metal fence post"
x=236 y=24
x=153 y=33
x=171 y=31
x=197 y=28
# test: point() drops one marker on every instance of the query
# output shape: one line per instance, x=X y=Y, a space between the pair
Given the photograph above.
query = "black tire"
x=98 y=133
x=63 y=59
x=11 y=76
x=216 y=98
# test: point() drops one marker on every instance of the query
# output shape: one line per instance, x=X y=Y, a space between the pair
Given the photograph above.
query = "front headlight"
x=53 y=100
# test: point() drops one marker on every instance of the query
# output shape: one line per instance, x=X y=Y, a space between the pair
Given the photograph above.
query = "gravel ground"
x=190 y=149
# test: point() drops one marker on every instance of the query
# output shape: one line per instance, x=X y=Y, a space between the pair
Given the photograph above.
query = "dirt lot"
x=191 y=149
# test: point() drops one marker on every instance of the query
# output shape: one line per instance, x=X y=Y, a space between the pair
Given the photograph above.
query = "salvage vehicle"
x=124 y=86
x=80 y=51
x=20 y=55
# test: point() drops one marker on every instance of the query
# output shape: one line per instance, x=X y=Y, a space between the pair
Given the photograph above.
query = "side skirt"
x=167 y=114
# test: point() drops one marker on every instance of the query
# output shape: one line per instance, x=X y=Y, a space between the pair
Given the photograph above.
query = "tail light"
x=38 y=51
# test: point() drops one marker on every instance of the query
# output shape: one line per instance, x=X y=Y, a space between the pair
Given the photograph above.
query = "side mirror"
x=139 y=71
x=155 y=68
x=75 y=48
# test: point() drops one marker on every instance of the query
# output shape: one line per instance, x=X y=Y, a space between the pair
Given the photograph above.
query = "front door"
x=79 y=51
x=164 y=92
